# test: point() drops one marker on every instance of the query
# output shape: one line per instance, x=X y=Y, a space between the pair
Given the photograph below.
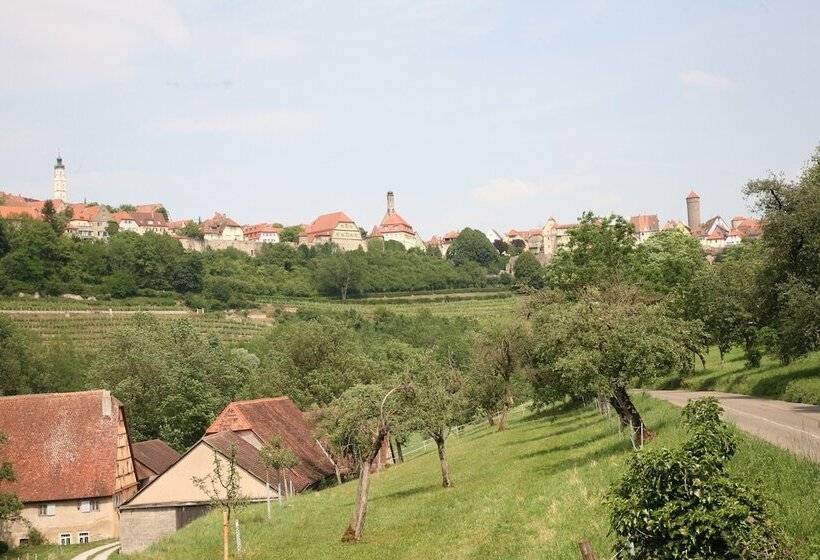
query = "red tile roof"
x=692 y=194
x=645 y=223
x=278 y=416
x=143 y=219
x=256 y=229
x=392 y=223
x=153 y=457
x=19 y=211
x=217 y=224
x=60 y=445
x=326 y=223
x=247 y=456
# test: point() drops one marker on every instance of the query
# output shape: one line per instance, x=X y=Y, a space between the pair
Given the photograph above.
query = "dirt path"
x=792 y=426
x=100 y=552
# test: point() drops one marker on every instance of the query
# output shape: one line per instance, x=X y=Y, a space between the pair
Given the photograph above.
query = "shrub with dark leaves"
x=682 y=504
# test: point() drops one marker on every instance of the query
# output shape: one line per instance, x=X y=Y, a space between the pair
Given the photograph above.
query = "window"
x=83 y=538
x=86 y=506
x=47 y=510
x=65 y=538
x=23 y=542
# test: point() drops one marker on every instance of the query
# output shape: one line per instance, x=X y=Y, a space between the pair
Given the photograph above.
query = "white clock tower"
x=59 y=180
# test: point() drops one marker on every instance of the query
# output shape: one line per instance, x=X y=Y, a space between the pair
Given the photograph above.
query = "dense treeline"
x=36 y=257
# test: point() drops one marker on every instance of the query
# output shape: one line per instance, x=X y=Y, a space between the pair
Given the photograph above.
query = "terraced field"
x=90 y=331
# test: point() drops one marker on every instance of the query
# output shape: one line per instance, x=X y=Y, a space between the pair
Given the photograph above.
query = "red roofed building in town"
x=73 y=464
x=89 y=221
x=222 y=227
x=336 y=228
x=142 y=222
x=263 y=233
x=527 y=239
x=646 y=225
x=395 y=228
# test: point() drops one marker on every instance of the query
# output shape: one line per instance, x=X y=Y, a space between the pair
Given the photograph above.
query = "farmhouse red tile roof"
x=645 y=223
x=247 y=456
x=153 y=457
x=278 y=416
x=261 y=228
x=60 y=445
x=150 y=219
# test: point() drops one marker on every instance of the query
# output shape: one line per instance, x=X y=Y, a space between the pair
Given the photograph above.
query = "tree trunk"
x=629 y=415
x=354 y=530
x=399 y=449
x=442 y=457
x=393 y=453
x=490 y=420
x=225 y=531
x=356 y=525
x=502 y=422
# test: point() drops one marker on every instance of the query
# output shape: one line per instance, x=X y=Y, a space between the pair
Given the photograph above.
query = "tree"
x=500 y=351
x=276 y=456
x=358 y=423
x=685 y=503
x=600 y=251
x=606 y=341
x=789 y=284
x=191 y=230
x=473 y=246
x=10 y=504
x=669 y=260
x=223 y=490
x=434 y=396
x=162 y=211
x=112 y=228
x=341 y=273
x=20 y=361
x=528 y=271
x=290 y=234
x=4 y=238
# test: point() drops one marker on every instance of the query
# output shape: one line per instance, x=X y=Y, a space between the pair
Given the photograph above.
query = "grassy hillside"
x=531 y=492
x=798 y=381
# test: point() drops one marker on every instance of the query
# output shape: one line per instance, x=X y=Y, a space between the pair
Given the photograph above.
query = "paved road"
x=102 y=552
x=793 y=426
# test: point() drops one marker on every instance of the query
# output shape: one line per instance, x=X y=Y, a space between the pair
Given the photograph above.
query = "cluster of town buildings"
x=81 y=478
x=94 y=221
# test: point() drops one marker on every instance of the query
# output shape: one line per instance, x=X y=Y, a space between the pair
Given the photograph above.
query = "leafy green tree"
x=789 y=284
x=434 y=396
x=290 y=234
x=685 y=503
x=600 y=251
x=172 y=380
x=607 y=341
x=5 y=245
x=358 y=424
x=528 y=271
x=500 y=352
x=279 y=458
x=669 y=260
x=37 y=259
x=187 y=274
x=10 y=504
x=112 y=228
x=162 y=211
x=57 y=220
x=121 y=285
x=341 y=273
x=473 y=246
x=191 y=230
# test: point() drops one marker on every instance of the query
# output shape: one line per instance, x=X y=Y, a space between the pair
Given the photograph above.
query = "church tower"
x=391 y=203
x=59 y=180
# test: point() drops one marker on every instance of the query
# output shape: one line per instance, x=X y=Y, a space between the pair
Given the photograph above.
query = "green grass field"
x=798 y=381
x=531 y=492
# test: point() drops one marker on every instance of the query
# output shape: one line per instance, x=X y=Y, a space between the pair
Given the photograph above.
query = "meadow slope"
x=531 y=492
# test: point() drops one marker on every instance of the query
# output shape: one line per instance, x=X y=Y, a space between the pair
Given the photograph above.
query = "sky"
x=481 y=114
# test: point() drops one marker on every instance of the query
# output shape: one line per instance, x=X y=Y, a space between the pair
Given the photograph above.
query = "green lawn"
x=50 y=551
x=798 y=381
x=531 y=492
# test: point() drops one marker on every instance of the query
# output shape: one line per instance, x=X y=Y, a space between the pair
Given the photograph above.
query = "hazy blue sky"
x=476 y=113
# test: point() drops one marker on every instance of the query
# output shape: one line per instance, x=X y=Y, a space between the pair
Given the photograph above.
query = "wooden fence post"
x=586 y=550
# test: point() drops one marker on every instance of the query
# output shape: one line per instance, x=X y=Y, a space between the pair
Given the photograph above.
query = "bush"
x=35 y=537
x=3 y=547
x=675 y=504
x=121 y=285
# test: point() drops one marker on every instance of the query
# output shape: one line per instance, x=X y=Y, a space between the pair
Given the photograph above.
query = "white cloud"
x=235 y=122
x=699 y=79
x=263 y=47
x=53 y=43
x=505 y=190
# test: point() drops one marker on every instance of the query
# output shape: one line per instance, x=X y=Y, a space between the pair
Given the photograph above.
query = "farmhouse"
x=646 y=225
x=221 y=227
x=336 y=228
x=172 y=499
x=264 y=233
x=73 y=464
x=89 y=221
x=142 y=222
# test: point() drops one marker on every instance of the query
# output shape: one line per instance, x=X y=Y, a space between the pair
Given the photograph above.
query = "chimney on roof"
x=106 y=403
x=693 y=210
x=391 y=203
